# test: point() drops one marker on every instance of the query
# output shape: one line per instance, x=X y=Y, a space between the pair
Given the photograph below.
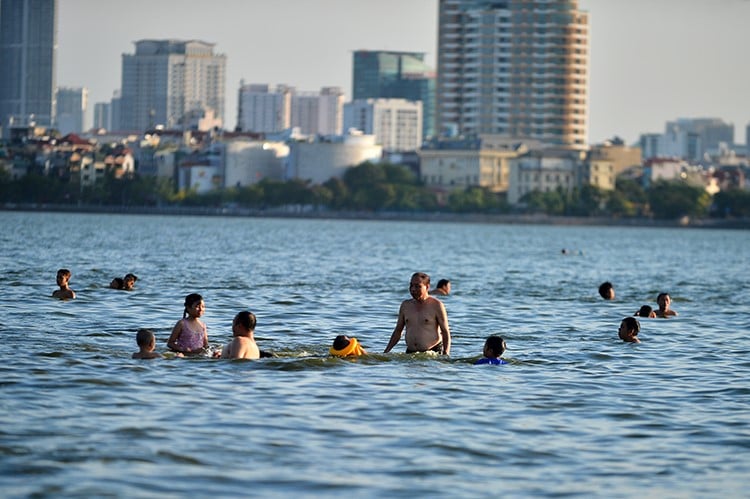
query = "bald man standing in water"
x=425 y=319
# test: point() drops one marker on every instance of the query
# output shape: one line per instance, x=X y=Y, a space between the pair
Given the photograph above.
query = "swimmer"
x=243 y=344
x=645 y=311
x=607 y=291
x=189 y=335
x=494 y=346
x=424 y=318
x=664 y=301
x=345 y=346
x=629 y=329
x=64 y=293
x=146 y=344
x=443 y=287
x=128 y=282
x=116 y=283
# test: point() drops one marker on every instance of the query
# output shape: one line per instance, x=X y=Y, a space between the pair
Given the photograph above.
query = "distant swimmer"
x=346 y=346
x=646 y=311
x=443 y=287
x=607 y=290
x=128 y=282
x=424 y=318
x=664 y=301
x=189 y=335
x=243 y=344
x=494 y=346
x=116 y=283
x=629 y=329
x=146 y=344
x=64 y=293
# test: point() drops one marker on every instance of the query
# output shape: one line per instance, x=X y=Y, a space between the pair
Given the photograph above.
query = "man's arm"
x=396 y=336
x=445 y=332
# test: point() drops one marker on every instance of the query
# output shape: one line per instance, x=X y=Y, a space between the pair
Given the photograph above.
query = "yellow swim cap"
x=353 y=348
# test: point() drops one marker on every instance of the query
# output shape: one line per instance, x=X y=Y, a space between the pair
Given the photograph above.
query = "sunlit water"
x=576 y=413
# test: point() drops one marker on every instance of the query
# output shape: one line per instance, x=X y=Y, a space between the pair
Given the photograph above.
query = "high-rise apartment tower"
x=166 y=80
x=379 y=74
x=28 y=41
x=514 y=67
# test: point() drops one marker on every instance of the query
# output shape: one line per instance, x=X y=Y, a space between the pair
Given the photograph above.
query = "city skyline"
x=642 y=52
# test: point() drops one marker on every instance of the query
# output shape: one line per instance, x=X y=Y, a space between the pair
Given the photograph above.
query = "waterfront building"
x=604 y=162
x=102 y=112
x=263 y=109
x=448 y=164
x=544 y=170
x=318 y=113
x=72 y=105
x=395 y=123
x=381 y=74
x=514 y=67
x=321 y=158
x=248 y=161
x=710 y=135
x=166 y=79
x=28 y=43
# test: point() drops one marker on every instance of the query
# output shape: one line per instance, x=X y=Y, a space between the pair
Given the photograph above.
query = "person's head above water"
x=629 y=329
x=646 y=311
x=443 y=287
x=494 y=346
x=244 y=323
x=607 y=290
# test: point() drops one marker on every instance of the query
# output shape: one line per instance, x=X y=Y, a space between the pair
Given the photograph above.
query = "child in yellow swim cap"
x=344 y=346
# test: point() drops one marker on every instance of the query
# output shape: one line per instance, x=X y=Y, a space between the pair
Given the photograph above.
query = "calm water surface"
x=576 y=413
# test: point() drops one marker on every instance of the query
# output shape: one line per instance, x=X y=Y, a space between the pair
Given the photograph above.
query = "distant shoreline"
x=302 y=212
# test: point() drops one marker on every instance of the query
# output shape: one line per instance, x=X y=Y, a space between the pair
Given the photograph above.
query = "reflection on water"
x=576 y=412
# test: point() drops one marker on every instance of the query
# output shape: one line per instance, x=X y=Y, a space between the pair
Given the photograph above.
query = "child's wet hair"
x=341 y=342
x=496 y=344
x=144 y=337
x=191 y=300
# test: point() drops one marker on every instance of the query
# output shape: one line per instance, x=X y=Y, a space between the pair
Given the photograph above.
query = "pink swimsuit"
x=190 y=340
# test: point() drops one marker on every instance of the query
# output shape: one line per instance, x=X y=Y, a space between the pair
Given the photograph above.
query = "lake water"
x=575 y=413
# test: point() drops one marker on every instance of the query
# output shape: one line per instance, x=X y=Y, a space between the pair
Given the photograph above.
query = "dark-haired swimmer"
x=424 y=318
x=629 y=329
x=607 y=291
x=645 y=311
x=128 y=282
x=243 y=345
x=189 y=335
x=64 y=293
x=146 y=344
x=494 y=346
x=664 y=301
x=443 y=287
x=116 y=283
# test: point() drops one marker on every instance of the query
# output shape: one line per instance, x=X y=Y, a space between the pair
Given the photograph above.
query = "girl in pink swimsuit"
x=189 y=335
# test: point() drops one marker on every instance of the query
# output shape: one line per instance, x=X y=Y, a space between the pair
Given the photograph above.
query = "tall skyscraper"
x=72 y=105
x=378 y=74
x=514 y=67
x=28 y=41
x=165 y=80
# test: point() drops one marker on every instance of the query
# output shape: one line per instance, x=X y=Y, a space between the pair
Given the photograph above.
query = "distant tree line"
x=383 y=187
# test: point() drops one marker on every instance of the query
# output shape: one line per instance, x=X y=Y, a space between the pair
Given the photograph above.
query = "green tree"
x=670 y=200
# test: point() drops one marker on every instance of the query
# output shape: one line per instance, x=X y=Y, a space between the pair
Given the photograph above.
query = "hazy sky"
x=651 y=60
